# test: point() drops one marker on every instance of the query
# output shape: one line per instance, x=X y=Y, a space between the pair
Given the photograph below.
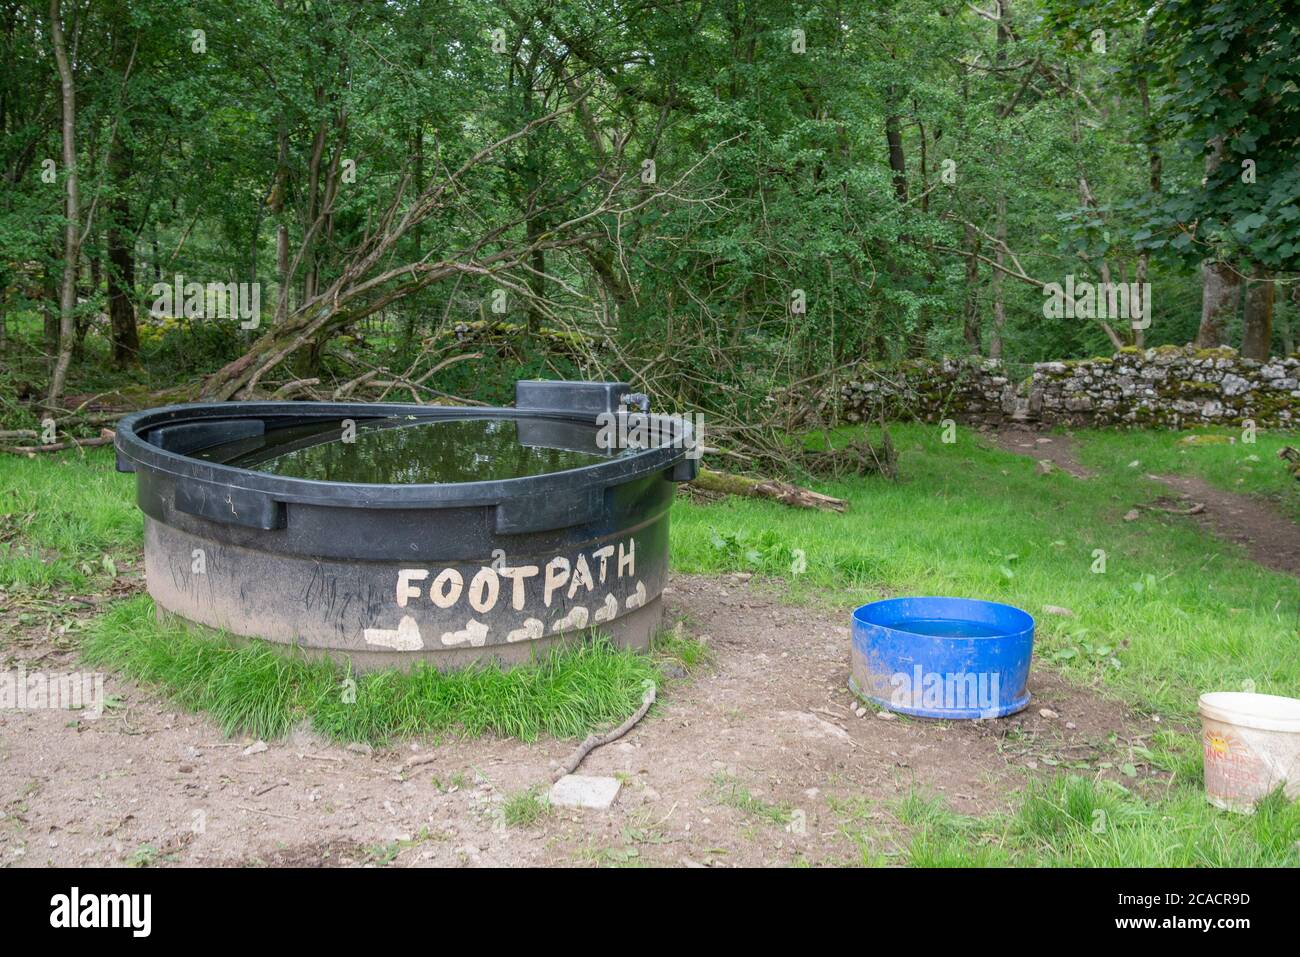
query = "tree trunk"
x=971 y=321
x=915 y=344
x=1154 y=171
x=1000 y=230
x=121 y=259
x=995 y=280
x=897 y=159
x=535 y=229
x=1220 y=283
x=72 y=212
x=1257 y=315
x=1219 y=289
x=278 y=192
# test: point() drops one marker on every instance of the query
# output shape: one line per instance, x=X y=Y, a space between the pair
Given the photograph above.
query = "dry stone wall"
x=1166 y=386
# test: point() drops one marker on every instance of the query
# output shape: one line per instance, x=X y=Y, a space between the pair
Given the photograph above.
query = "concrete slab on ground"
x=585 y=791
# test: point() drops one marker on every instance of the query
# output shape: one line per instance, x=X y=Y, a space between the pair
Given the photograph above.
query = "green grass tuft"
x=261 y=690
x=525 y=808
x=732 y=793
x=676 y=645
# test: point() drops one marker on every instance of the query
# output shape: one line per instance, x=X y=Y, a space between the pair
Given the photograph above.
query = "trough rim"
x=135 y=453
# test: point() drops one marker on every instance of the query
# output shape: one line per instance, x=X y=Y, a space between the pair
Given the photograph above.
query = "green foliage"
x=775 y=239
x=1231 y=80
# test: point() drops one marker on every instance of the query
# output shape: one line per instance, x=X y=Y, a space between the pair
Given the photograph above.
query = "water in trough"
x=399 y=451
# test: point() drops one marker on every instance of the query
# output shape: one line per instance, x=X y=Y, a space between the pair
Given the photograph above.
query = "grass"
x=1166 y=613
x=1241 y=466
x=254 y=688
x=61 y=517
x=1071 y=821
x=675 y=645
x=728 y=791
x=1161 y=611
x=525 y=808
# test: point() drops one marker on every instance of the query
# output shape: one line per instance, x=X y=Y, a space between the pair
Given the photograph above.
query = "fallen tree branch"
x=105 y=437
x=293 y=387
x=595 y=741
x=346 y=388
x=1196 y=509
x=776 y=491
x=430 y=757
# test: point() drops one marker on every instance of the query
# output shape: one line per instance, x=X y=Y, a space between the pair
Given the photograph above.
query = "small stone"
x=585 y=791
x=359 y=747
x=1070 y=725
x=1048 y=713
x=1058 y=610
x=1132 y=515
x=1044 y=466
x=257 y=747
x=886 y=715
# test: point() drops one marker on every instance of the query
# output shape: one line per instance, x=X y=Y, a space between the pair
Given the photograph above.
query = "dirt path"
x=1269 y=537
x=1057 y=450
x=769 y=718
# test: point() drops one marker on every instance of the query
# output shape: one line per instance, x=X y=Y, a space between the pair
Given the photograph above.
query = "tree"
x=72 y=210
x=1229 y=72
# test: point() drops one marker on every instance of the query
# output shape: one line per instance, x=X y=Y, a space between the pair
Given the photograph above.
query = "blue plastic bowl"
x=942 y=657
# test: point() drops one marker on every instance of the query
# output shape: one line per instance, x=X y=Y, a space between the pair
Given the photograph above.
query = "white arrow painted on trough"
x=405 y=637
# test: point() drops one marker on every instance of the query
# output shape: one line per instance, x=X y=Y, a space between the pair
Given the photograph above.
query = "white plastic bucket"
x=1251 y=744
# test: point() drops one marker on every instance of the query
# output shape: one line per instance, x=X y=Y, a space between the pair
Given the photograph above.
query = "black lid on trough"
x=573 y=398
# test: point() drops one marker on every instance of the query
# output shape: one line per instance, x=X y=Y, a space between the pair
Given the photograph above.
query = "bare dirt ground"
x=1268 y=536
x=768 y=717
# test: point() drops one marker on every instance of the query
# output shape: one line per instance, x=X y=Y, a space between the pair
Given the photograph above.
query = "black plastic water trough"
x=461 y=533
